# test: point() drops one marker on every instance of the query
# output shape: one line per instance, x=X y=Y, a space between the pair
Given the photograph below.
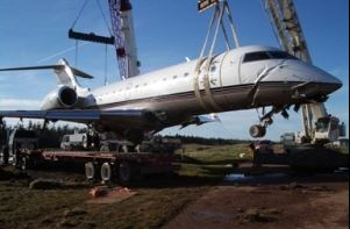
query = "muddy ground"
x=279 y=198
x=270 y=197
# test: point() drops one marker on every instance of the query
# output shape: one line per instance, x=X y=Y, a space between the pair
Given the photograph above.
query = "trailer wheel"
x=15 y=160
x=90 y=171
x=4 y=156
x=125 y=172
x=24 y=163
x=106 y=172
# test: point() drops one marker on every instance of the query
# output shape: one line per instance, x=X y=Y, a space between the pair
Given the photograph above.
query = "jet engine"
x=62 y=97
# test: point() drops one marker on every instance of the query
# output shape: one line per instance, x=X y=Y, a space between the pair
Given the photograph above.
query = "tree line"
x=51 y=136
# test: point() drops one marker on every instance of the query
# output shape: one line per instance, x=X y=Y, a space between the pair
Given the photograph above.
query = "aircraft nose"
x=315 y=79
x=324 y=79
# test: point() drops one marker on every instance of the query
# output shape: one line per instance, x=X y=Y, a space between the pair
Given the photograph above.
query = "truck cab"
x=18 y=139
x=75 y=141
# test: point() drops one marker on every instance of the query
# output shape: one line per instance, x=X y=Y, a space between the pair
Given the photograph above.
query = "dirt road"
x=280 y=201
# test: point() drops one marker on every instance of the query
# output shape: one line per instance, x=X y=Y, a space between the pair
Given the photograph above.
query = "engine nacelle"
x=63 y=97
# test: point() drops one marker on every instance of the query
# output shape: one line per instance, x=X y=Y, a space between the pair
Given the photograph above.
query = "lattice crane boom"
x=125 y=44
x=286 y=24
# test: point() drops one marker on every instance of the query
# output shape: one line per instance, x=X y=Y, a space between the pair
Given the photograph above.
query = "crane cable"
x=80 y=13
x=74 y=23
x=109 y=31
x=106 y=47
x=104 y=17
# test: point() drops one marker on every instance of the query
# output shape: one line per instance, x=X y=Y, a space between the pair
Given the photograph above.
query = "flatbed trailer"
x=107 y=166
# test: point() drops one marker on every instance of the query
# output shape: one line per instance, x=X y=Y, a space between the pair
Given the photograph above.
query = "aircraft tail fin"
x=65 y=74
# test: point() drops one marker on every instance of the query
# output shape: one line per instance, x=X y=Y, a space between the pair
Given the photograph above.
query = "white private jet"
x=243 y=78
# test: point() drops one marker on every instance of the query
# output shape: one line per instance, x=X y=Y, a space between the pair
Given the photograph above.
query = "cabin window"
x=174 y=77
x=186 y=74
x=213 y=68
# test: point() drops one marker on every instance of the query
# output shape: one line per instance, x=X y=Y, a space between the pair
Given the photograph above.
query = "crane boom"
x=286 y=24
x=125 y=44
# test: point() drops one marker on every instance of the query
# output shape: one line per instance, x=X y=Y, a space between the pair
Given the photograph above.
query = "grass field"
x=158 y=199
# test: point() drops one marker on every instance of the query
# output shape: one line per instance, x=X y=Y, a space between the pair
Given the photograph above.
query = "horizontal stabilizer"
x=57 y=67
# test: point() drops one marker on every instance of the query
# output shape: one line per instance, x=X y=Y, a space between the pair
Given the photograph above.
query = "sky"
x=167 y=31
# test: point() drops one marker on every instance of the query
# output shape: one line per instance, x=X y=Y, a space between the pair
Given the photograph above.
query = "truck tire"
x=68 y=147
x=90 y=171
x=85 y=142
x=125 y=172
x=106 y=172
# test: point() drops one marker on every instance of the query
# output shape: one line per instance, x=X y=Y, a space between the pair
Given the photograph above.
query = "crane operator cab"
x=327 y=130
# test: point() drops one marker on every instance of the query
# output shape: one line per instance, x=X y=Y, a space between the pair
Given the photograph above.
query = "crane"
x=318 y=125
x=124 y=33
x=123 y=37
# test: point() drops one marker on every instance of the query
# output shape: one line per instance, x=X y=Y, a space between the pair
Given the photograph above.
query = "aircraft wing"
x=124 y=116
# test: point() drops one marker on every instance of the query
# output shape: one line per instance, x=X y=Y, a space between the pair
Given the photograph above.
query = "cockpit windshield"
x=266 y=55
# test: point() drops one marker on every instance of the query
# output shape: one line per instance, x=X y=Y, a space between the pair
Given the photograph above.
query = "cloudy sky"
x=35 y=32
